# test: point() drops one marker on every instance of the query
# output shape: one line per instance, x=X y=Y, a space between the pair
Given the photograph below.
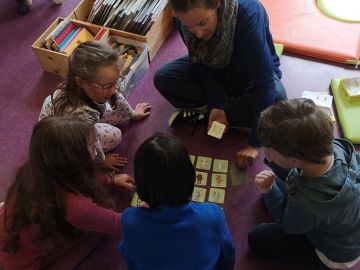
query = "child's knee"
x=112 y=139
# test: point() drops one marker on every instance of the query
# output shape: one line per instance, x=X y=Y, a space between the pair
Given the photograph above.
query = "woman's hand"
x=113 y=161
x=219 y=116
x=246 y=157
x=141 y=111
x=124 y=181
x=264 y=181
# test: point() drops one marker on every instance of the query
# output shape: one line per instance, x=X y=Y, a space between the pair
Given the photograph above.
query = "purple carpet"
x=24 y=86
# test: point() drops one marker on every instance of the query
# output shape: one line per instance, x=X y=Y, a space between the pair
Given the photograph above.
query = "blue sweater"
x=194 y=236
x=326 y=209
x=254 y=60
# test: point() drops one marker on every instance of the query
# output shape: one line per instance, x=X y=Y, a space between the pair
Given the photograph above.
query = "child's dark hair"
x=58 y=162
x=297 y=128
x=186 y=5
x=84 y=62
x=164 y=173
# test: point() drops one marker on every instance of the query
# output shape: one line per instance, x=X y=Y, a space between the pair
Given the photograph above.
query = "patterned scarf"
x=217 y=51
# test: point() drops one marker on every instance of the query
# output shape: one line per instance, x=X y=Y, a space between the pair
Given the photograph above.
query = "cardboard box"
x=57 y=63
x=155 y=37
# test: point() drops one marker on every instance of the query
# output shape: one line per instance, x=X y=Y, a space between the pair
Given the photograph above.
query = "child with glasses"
x=171 y=232
x=90 y=93
x=54 y=212
x=316 y=203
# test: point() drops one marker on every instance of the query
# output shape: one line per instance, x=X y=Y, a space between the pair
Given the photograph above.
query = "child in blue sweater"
x=172 y=232
x=316 y=207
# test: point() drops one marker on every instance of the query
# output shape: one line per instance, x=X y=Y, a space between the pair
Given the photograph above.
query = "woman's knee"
x=160 y=79
x=280 y=92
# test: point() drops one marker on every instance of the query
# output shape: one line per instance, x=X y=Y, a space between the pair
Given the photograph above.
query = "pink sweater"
x=81 y=212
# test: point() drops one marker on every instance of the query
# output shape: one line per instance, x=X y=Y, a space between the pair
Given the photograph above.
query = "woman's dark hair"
x=58 y=162
x=297 y=128
x=84 y=62
x=186 y=5
x=164 y=173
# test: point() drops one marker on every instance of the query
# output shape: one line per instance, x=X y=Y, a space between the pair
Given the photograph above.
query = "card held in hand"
x=216 y=130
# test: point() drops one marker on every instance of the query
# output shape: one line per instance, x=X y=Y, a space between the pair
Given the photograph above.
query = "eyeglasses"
x=110 y=85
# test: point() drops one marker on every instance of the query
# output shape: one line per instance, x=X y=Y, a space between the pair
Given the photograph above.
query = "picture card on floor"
x=136 y=200
x=201 y=178
x=199 y=194
x=216 y=195
x=220 y=165
x=192 y=158
x=203 y=163
x=218 y=180
x=238 y=177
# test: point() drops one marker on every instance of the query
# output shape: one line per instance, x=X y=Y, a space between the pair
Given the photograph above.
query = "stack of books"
x=351 y=87
x=135 y=16
x=66 y=37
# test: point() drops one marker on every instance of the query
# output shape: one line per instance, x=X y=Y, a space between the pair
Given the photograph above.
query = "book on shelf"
x=322 y=100
x=351 y=87
x=135 y=16
x=68 y=38
x=81 y=35
x=62 y=35
x=49 y=40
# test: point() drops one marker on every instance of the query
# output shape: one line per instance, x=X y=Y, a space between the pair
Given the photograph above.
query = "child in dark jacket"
x=172 y=232
x=316 y=208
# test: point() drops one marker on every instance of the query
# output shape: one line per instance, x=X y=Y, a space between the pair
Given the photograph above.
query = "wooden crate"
x=52 y=61
x=155 y=37
x=56 y=62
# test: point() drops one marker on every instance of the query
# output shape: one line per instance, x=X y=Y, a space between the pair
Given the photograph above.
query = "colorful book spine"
x=80 y=37
x=49 y=40
x=67 y=39
x=64 y=33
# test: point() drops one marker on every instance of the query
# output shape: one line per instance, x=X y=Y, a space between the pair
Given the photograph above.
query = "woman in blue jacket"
x=231 y=72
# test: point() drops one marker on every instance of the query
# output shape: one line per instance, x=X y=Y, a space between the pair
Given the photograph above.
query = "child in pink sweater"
x=55 y=202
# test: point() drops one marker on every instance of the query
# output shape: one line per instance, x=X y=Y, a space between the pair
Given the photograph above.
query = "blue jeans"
x=268 y=241
x=176 y=83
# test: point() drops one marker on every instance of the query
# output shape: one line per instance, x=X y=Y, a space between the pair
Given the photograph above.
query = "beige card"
x=192 y=158
x=216 y=130
x=135 y=200
x=201 y=178
x=218 y=180
x=199 y=194
x=203 y=163
x=220 y=165
x=216 y=195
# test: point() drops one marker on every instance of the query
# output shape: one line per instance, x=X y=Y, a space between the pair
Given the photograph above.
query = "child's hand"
x=264 y=181
x=141 y=111
x=124 y=181
x=113 y=161
x=246 y=157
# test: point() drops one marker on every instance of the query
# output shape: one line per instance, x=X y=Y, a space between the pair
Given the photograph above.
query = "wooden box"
x=155 y=37
x=57 y=63
x=52 y=61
